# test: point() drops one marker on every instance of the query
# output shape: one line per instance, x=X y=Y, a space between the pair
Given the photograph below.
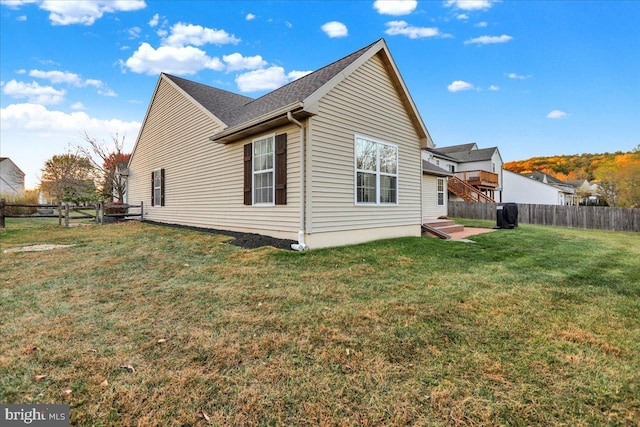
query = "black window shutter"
x=248 y=176
x=153 y=183
x=281 y=169
x=162 y=187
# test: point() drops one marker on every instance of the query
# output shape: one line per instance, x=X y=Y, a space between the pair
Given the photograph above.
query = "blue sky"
x=530 y=77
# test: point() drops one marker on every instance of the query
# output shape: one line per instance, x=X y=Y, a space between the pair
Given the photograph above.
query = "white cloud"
x=154 y=20
x=77 y=106
x=197 y=35
x=489 y=39
x=395 y=7
x=15 y=4
x=170 y=59
x=459 y=85
x=21 y=18
x=134 y=32
x=86 y=12
x=236 y=62
x=33 y=134
x=72 y=79
x=57 y=77
x=557 y=114
x=335 y=29
x=462 y=16
x=494 y=88
x=33 y=92
x=266 y=79
x=470 y=4
x=518 y=76
x=481 y=25
x=403 y=28
x=250 y=17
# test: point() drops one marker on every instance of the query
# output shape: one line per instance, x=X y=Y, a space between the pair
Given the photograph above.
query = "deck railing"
x=479 y=178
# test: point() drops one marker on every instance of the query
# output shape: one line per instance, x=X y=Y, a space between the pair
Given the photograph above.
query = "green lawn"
x=532 y=326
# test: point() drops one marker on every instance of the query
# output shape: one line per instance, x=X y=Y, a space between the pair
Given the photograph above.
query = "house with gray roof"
x=537 y=188
x=476 y=172
x=329 y=159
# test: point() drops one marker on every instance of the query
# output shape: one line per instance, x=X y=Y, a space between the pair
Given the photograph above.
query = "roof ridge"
x=298 y=80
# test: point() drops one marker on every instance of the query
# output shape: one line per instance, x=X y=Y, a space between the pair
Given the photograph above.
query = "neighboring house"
x=537 y=188
x=329 y=159
x=477 y=172
x=11 y=179
x=588 y=193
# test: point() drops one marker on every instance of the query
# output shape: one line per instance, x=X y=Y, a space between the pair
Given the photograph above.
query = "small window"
x=157 y=187
x=452 y=168
x=440 y=191
x=376 y=165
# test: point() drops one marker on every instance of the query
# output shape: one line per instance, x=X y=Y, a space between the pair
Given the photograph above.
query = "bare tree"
x=110 y=160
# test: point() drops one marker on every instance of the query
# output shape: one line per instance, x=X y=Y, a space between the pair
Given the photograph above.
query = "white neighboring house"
x=537 y=188
x=11 y=179
x=588 y=193
x=480 y=168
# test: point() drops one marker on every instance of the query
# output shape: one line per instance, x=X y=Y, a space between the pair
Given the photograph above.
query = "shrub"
x=29 y=197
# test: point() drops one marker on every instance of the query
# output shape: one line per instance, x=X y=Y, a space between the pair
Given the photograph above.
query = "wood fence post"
x=66 y=215
x=2 y=203
x=141 y=211
x=59 y=214
x=97 y=206
x=101 y=212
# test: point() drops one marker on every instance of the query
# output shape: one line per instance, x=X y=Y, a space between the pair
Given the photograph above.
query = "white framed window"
x=452 y=168
x=263 y=170
x=440 y=191
x=376 y=172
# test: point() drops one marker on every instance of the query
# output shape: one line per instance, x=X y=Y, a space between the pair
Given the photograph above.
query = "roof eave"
x=261 y=124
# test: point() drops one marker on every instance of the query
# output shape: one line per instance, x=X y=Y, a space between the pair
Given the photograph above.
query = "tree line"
x=617 y=174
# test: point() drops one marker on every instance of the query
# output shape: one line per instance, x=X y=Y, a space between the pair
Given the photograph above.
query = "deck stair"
x=467 y=192
x=441 y=228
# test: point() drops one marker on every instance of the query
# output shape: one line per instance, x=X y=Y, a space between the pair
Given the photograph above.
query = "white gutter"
x=301 y=245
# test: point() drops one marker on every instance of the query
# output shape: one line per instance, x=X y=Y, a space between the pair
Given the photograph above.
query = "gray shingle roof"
x=456 y=148
x=431 y=169
x=234 y=109
x=474 y=155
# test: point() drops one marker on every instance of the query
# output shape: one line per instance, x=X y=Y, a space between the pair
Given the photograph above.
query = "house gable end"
x=381 y=50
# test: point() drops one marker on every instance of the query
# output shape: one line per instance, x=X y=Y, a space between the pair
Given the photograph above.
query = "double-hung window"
x=440 y=191
x=263 y=171
x=376 y=165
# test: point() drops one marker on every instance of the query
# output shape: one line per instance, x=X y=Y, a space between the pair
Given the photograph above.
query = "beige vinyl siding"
x=430 y=208
x=203 y=179
x=366 y=103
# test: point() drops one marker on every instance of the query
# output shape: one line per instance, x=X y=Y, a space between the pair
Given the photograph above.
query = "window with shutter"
x=265 y=171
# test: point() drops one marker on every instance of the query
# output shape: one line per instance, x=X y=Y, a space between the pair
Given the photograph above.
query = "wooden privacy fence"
x=66 y=212
x=593 y=217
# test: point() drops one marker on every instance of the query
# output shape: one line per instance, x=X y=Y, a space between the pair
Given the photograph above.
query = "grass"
x=533 y=326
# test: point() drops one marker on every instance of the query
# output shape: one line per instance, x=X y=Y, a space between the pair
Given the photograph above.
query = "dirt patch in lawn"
x=36 y=248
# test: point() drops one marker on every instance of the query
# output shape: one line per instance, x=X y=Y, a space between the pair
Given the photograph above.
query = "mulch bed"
x=243 y=240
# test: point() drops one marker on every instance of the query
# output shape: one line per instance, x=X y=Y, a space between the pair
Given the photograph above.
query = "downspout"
x=301 y=245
